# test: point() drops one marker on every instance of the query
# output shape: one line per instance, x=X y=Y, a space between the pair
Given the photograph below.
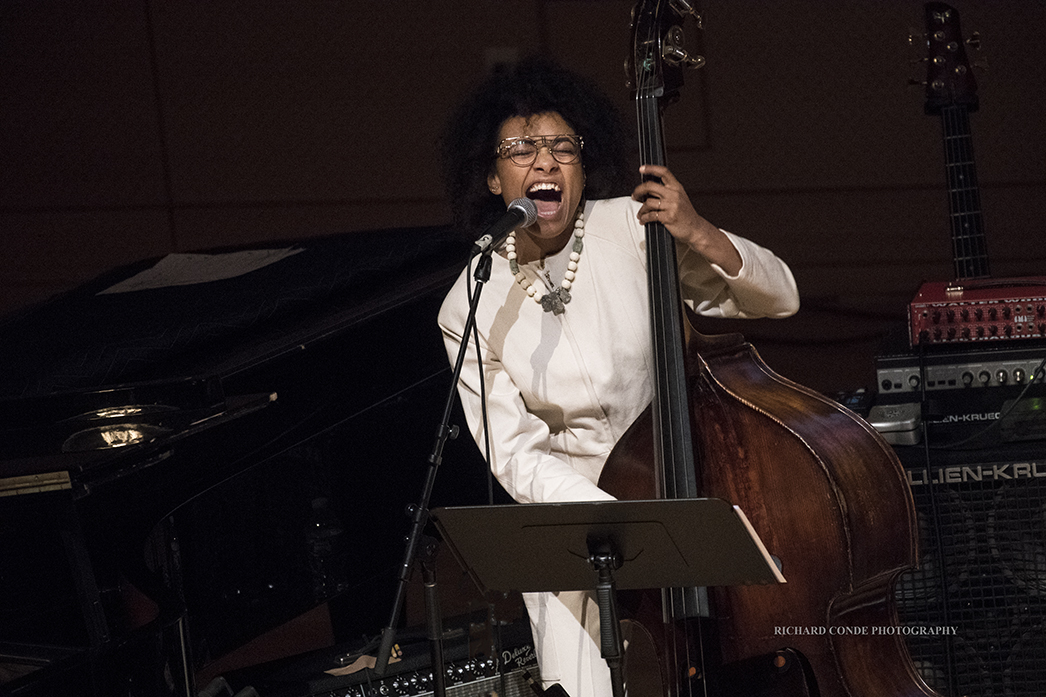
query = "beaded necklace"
x=556 y=299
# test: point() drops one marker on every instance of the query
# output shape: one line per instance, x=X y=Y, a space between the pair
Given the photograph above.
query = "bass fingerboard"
x=969 y=247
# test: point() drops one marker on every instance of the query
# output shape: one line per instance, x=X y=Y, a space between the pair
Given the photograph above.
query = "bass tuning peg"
x=673 y=52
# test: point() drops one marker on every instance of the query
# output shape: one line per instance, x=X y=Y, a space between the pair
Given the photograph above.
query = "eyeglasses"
x=523 y=151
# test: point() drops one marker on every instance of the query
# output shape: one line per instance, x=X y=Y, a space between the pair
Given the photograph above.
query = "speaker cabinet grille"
x=974 y=612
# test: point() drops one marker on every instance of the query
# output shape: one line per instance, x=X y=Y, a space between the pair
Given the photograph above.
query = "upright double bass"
x=826 y=494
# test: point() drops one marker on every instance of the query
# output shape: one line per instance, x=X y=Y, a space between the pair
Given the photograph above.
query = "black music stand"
x=677 y=543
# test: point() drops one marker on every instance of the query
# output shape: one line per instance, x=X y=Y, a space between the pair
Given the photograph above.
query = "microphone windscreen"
x=529 y=210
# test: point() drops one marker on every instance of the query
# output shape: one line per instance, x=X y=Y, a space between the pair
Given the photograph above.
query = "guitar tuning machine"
x=673 y=52
x=917 y=40
x=974 y=42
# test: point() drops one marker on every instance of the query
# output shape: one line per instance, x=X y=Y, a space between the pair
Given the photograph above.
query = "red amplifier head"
x=978 y=310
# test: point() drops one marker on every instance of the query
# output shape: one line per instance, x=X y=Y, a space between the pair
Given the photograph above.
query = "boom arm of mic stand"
x=420 y=512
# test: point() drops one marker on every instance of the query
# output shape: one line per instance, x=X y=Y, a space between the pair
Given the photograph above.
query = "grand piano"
x=198 y=449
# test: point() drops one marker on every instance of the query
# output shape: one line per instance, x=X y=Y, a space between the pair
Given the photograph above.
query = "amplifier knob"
x=993 y=314
x=1041 y=310
x=1006 y=313
x=966 y=332
x=993 y=330
x=1001 y=376
x=913 y=381
x=984 y=376
x=979 y=314
x=980 y=332
x=936 y=316
x=965 y=314
x=951 y=316
x=1018 y=376
x=967 y=378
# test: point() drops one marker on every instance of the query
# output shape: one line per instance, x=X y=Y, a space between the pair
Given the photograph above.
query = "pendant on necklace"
x=555 y=301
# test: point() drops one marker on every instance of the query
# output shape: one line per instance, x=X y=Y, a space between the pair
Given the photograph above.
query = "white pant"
x=566 y=637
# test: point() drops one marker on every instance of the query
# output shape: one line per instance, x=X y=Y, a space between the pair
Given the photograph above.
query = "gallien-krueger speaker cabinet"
x=974 y=613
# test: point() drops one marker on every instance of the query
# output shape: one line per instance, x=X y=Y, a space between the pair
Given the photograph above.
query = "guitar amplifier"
x=907 y=374
x=987 y=392
x=978 y=310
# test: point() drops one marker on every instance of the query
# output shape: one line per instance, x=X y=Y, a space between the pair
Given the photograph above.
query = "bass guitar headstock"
x=949 y=79
x=655 y=65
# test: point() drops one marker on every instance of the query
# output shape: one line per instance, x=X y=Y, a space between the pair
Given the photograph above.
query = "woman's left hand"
x=666 y=202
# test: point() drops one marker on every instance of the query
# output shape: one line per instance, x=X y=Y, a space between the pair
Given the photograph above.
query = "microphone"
x=521 y=213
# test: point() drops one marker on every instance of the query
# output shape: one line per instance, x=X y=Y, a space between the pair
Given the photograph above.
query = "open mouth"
x=546 y=196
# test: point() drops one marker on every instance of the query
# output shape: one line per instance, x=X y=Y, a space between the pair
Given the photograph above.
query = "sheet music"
x=770 y=561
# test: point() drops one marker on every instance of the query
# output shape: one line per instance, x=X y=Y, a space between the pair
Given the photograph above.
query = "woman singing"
x=563 y=323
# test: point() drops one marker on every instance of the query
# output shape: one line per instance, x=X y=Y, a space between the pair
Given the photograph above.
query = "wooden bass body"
x=828 y=497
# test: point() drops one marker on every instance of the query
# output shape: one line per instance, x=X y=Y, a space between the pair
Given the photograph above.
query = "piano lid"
x=90 y=339
x=96 y=370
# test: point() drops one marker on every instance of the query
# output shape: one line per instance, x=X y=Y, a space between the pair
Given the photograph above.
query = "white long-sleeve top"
x=562 y=389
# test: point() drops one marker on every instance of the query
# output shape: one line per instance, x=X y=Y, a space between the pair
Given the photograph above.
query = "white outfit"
x=562 y=389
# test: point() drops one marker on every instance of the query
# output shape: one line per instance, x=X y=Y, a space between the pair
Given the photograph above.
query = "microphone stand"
x=420 y=512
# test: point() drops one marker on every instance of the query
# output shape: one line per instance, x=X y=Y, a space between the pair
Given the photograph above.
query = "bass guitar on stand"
x=974 y=307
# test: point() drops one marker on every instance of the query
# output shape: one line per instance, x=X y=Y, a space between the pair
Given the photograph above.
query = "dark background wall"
x=130 y=129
